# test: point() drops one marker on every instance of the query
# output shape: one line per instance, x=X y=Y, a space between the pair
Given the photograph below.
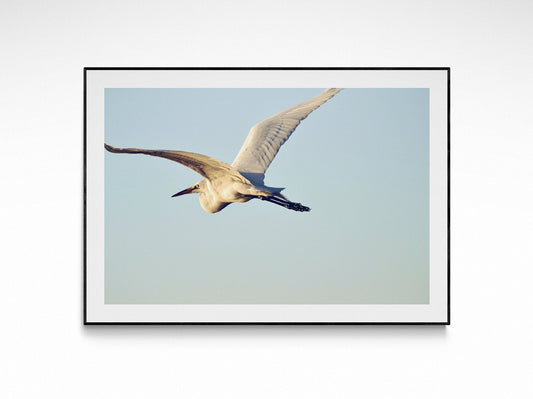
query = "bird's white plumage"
x=243 y=180
x=266 y=137
x=207 y=167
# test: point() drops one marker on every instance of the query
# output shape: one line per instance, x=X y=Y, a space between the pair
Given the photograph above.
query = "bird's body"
x=216 y=195
x=242 y=181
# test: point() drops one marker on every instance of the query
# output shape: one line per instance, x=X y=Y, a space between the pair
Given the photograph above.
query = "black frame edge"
x=85 y=196
x=448 y=321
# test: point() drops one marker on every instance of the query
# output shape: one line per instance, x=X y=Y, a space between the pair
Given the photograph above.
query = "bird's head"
x=197 y=188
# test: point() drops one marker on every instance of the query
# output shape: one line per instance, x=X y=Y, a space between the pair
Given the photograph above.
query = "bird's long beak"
x=186 y=191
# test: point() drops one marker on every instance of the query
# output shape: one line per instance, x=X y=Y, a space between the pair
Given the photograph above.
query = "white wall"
x=45 y=350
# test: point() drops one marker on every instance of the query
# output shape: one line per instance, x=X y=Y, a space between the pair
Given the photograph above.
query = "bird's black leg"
x=286 y=204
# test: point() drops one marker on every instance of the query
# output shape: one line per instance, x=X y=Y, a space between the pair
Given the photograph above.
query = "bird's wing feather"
x=265 y=138
x=209 y=168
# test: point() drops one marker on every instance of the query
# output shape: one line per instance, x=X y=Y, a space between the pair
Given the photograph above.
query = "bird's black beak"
x=186 y=191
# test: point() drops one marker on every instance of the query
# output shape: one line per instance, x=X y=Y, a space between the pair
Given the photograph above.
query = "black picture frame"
x=88 y=292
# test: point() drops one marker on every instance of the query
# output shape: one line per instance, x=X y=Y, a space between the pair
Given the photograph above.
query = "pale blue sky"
x=360 y=162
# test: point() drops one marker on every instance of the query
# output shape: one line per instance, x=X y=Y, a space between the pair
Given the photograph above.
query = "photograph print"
x=235 y=195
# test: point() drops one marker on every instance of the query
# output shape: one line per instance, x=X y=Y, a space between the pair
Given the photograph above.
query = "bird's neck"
x=210 y=203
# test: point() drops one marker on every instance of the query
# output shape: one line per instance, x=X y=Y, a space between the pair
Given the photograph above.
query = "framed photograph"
x=266 y=195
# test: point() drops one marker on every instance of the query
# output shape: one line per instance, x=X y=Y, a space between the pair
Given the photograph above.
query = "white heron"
x=243 y=180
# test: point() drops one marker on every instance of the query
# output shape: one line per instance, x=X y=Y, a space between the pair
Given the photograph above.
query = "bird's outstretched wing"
x=209 y=168
x=265 y=138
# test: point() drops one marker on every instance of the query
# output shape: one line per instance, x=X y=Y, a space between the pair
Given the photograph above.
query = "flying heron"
x=243 y=180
